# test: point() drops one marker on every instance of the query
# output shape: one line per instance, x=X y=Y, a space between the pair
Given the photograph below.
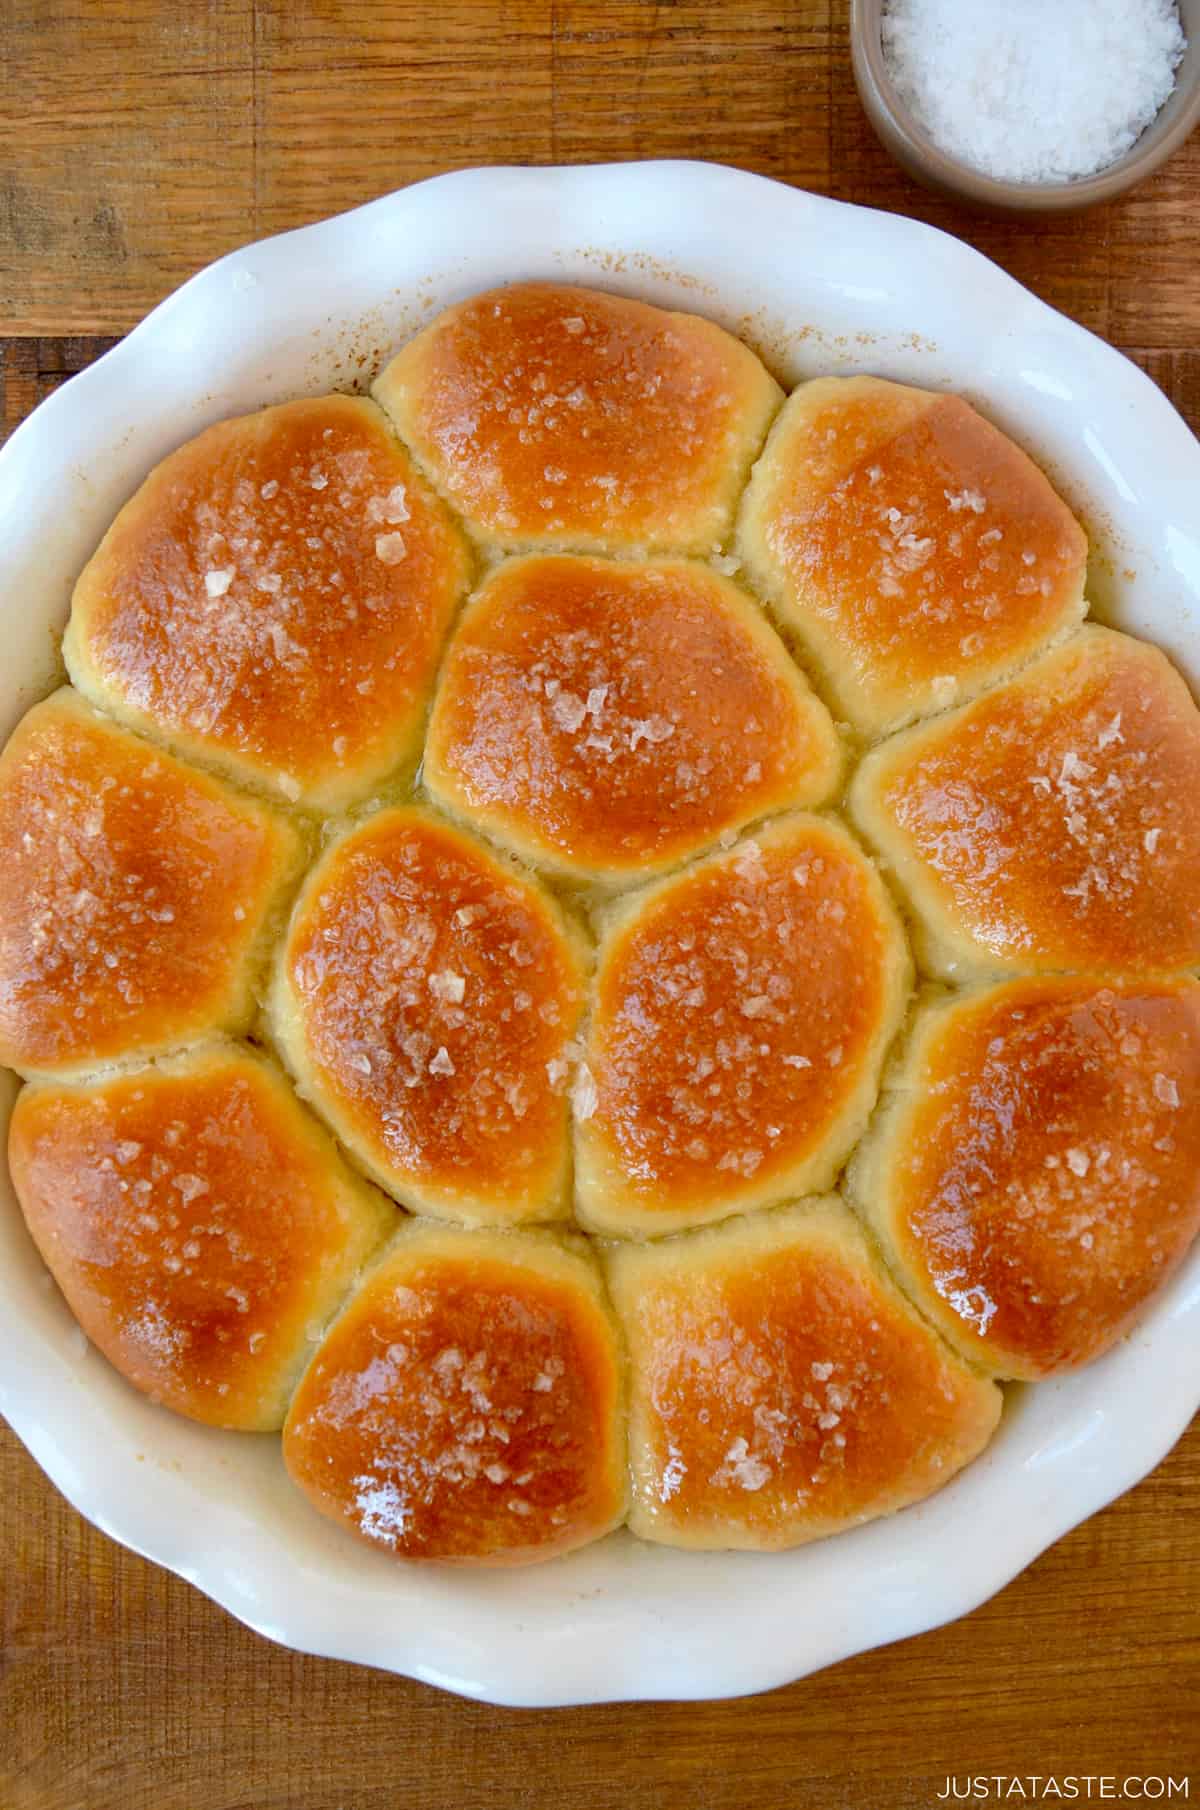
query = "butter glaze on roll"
x=273 y=601
x=915 y=550
x=553 y=416
x=741 y=1014
x=200 y=1224
x=782 y=1389
x=135 y=894
x=1054 y=823
x=608 y=719
x=1034 y=1170
x=425 y=998
x=468 y=1404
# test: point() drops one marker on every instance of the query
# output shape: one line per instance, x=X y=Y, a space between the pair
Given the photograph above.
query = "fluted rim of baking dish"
x=818 y=285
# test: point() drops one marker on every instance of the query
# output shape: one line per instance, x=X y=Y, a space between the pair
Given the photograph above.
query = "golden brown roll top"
x=1055 y=822
x=781 y=1388
x=273 y=601
x=200 y=1224
x=608 y=719
x=740 y=1018
x=134 y=893
x=1034 y=1171
x=467 y=1406
x=553 y=416
x=425 y=998
x=918 y=553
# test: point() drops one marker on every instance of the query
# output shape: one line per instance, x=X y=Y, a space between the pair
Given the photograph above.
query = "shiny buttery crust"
x=273 y=601
x=424 y=998
x=278 y=602
x=200 y=1224
x=781 y=1387
x=915 y=550
x=557 y=417
x=135 y=894
x=468 y=1405
x=607 y=719
x=741 y=1015
x=1053 y=824
x=1034 y=1170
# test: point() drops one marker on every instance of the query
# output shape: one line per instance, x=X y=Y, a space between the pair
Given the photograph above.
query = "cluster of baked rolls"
x=455 y=931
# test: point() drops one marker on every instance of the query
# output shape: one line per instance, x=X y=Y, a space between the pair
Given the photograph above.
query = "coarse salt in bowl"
x=1026 y=109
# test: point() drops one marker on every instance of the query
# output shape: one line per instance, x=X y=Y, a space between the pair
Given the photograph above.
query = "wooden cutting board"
x=138 y=140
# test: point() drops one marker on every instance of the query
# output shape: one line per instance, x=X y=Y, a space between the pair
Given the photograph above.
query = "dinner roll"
x=273 y=601
x=607 y=719
x=916 y=551
x=740 y=1018
x=135 y=894
x=424 y=998
x=560 y=417
x=781 y=1388
x=1055 y=822
x=1034 y=1170
x=200 y=1224
x=467 y=1406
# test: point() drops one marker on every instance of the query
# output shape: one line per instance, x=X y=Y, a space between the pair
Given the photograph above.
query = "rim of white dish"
x=615 y=1624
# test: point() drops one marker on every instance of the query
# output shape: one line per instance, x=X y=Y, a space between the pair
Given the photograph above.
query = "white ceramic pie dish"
x=817 y=286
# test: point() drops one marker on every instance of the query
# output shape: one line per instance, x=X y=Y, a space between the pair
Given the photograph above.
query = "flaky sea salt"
x=584 y=1097
x=742 y=1468
x=390 y=548
x=1027 y=92
x=448 y=986
x=568 y=711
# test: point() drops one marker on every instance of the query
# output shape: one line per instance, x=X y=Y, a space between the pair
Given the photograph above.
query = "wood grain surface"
x=138 y=140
